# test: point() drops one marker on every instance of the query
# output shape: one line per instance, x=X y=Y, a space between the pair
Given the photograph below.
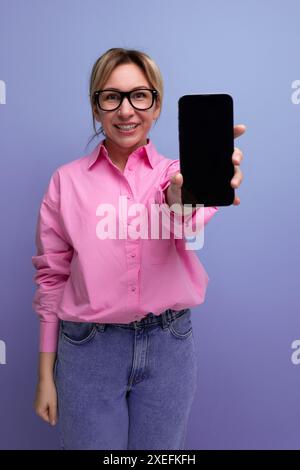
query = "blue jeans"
x=126 y=386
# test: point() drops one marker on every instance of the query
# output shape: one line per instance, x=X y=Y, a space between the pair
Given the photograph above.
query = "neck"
x=119 y=155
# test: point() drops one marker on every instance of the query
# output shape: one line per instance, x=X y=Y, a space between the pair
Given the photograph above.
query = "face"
x=125 y=77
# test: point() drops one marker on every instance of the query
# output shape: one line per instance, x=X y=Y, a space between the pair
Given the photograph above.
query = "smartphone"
x=205 y=148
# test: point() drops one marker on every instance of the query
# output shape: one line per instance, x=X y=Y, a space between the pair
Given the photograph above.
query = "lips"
x=126 y=127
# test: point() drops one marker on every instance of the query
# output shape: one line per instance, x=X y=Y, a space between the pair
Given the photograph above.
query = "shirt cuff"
x=189 y=220
x=49 y=336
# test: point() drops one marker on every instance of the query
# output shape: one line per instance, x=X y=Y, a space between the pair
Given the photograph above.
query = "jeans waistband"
x=163 y=318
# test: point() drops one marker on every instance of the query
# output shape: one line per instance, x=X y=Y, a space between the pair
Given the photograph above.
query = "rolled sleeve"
x=52 y=264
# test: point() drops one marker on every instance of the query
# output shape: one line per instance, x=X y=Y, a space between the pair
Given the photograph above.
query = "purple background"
x=248 y=393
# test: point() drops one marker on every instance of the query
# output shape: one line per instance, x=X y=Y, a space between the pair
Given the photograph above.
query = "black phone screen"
x=205 y=148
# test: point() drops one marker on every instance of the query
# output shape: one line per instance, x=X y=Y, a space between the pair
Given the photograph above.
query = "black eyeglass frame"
x=127 y=95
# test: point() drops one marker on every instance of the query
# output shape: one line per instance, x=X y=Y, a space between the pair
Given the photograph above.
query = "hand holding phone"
x=205 y=148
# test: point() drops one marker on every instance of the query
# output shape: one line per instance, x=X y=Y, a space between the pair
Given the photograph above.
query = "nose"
x=125 y=109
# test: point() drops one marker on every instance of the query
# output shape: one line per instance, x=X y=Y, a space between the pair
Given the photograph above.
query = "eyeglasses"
x=110 y=100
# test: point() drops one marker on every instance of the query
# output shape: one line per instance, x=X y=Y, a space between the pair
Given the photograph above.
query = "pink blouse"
x=89 y=266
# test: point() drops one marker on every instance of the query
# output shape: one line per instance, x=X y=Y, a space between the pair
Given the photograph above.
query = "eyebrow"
x=135 y=88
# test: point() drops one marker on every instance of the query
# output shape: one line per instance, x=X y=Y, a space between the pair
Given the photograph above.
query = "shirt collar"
x=147 y=150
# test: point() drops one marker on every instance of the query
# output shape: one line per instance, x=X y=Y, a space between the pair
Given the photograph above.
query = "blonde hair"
x=113 y=57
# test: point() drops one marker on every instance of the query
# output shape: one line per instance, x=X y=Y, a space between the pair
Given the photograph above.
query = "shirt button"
x=130 y=168
x=132 y=255
x=133 y=288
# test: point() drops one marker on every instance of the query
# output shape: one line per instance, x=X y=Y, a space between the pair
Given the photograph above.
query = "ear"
x=156 y=110
x=96 y=114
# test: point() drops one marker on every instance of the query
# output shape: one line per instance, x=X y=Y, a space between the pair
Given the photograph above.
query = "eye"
x=138 y=95
x=112 y=96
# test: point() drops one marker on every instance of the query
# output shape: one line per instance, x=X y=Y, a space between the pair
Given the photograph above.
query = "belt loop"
x=100 y=326
x=165 y=319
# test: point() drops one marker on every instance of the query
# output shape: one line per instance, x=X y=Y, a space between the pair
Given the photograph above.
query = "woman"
x=117 y=364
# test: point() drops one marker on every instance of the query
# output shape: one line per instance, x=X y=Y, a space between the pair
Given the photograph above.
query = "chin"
x=130 y=140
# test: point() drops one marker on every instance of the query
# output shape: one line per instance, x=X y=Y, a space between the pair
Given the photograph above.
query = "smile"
x=127 y=127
